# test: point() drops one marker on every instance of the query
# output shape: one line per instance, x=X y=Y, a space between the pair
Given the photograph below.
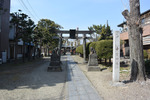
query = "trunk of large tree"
x=29 y=52
x=135 y=41
x=105 y=61
x=109 y=61
x=34 y=51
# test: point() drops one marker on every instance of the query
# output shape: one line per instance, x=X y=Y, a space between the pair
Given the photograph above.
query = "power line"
x=27 y=9
x=125 y=4
x=33 y=9
x=22 y=5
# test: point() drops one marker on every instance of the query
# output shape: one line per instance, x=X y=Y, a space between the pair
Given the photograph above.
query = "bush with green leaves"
x=145 y=54
x=104 y=49
x=79 y=49
x=147 y=66
x=87 y=49
x=93 y=44
x=148 y=52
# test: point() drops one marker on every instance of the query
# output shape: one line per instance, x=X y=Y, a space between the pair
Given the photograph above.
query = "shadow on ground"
x=34 y=78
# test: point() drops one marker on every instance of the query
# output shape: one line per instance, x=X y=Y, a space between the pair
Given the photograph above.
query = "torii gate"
x=73 y=33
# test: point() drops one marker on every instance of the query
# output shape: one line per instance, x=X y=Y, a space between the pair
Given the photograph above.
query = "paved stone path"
x=79 y=87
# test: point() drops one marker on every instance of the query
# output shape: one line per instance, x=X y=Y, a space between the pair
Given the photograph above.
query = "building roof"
x=121 y=25
x=145 y=12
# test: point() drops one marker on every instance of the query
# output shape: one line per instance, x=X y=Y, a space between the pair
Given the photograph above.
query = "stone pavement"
x=79 y=87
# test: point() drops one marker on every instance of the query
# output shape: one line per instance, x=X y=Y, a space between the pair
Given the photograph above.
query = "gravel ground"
x=34 y=83
x=102 y=81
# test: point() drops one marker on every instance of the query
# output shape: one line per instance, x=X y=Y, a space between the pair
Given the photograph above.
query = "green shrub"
x=92 y=45
x=87 y=49
x=104 y=49
x=145 y=54
x=147 y=65
x=79 y=49
x=148 y=51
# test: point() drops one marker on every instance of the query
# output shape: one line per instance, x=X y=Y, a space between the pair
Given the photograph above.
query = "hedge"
x=145 y=54
x=79 y=49
x=104 y=49
x=87 y=49
x=147 y=66
x=93 y=44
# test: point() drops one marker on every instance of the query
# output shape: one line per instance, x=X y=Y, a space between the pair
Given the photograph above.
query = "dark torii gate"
x=73 y=33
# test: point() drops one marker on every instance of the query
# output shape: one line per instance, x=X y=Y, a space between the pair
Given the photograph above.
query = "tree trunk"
x=16 y=51
x=48 y=52
x=29 y=51
x=23 y=51
x=135 y=41
x=40 y=51
x=34 y=51
x=105 y=61
x=40 y=48
x=109 y=61
x=100 y=60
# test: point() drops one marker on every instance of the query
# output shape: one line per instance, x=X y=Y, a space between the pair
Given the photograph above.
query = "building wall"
x=146 y=39
x=4 y=20
x=124 y=36
x=146 y=30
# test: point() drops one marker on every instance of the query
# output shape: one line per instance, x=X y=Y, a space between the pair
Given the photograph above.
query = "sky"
x=71 y=14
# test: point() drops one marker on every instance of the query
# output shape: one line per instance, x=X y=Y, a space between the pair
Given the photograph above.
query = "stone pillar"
x=116 y=56
x=84 y=48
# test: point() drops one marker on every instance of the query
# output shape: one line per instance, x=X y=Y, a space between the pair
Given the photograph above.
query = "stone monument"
x=55 y=63
x=93 y=63
x=116 y=56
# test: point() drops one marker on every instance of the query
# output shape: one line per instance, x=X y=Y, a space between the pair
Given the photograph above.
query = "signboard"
x=72 y=34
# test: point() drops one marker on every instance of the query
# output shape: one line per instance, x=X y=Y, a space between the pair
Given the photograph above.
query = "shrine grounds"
x=31 y=81
x=102 y=81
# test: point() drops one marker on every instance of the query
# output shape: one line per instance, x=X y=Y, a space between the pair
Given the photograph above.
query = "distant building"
x=12 y=47
x=4 y=26
x=145 y=18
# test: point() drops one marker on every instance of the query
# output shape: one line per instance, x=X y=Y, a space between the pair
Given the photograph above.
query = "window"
x=143 y=20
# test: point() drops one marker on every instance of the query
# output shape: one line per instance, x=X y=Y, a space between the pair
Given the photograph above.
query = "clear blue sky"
x=77 y=13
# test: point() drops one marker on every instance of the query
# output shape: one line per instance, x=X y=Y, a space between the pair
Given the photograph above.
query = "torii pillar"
x=84 y=48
